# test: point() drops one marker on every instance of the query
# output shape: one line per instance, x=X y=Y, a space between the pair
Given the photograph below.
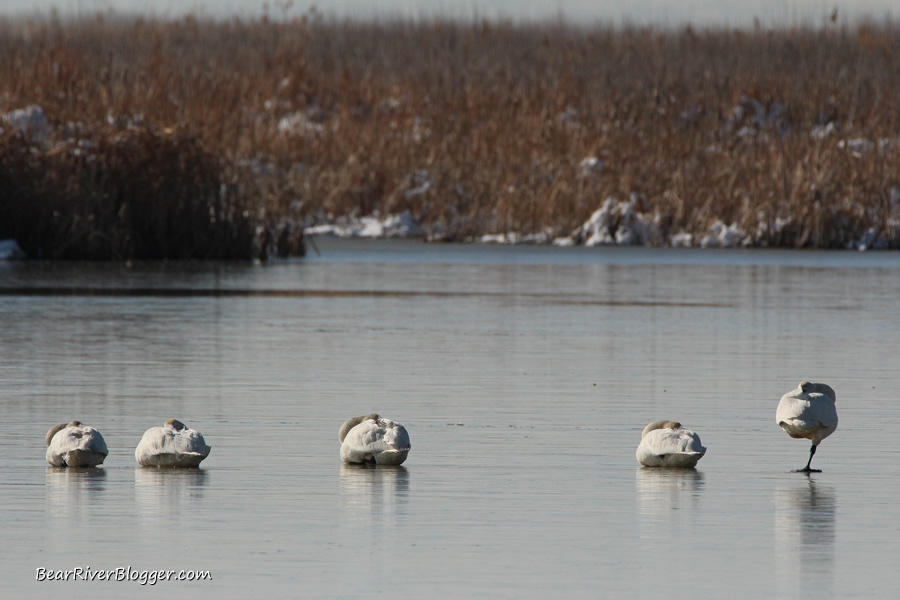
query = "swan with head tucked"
x=172 y=445
x=668 y=444
x=373 y=439
x=75 y=445
x=808 y=412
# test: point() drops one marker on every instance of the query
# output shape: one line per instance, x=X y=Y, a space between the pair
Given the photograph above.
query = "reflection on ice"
x=669 y=517
x=73 y=492
x=379 y=489
x=160 y=491
x=804 y=537
x=662 y=490
x=373 y=503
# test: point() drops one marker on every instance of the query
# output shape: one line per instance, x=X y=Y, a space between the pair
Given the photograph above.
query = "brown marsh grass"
x=222 y=139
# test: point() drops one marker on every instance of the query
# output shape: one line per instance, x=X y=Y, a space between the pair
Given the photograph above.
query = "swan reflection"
x=379 y=489
x=162 y=491
x=73 y=491
x=668 y=501
x=662 y=490
x=805 y=514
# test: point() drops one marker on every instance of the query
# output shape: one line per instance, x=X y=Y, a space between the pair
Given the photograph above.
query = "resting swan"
x=372 y=439
x=172 y=445
x=75 y=445
x=667 y=444
x=808 y=412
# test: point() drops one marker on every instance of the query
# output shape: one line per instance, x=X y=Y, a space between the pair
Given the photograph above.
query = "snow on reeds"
x=228 y=139
x=391 y=226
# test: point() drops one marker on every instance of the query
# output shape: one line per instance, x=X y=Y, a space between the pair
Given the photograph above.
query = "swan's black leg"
x=806 y=469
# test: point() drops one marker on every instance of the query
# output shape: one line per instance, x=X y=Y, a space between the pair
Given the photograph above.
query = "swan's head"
x=175 y=424
x=660 y=425
x=351 y=423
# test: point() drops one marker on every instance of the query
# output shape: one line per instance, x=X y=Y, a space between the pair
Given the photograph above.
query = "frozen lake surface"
x=524 y=376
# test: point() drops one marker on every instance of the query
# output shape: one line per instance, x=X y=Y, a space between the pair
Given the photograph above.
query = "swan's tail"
x=83 y=458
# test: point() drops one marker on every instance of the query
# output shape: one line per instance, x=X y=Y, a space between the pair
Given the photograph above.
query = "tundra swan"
x=172 y=445
x=373 y=439
x=75 y=445
x=667 y=444
x=808 y=412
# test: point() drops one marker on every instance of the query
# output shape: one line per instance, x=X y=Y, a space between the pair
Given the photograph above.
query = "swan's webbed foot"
x=806 y=469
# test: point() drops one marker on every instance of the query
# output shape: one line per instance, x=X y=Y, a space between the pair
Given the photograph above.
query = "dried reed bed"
x=474 y=128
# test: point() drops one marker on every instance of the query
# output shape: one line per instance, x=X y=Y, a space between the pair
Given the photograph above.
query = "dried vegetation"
x=193 y=139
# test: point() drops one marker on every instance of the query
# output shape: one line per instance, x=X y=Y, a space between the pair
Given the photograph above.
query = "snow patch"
x=301 y=123
x=682 y=239
x=514 y=238
x=30 y=121
x=857 y=146
x=762 y=227
x=723 y=236
x=590 y=166
x=719 y=236
x=391 y=226
x=614 y=223
x=820 y=132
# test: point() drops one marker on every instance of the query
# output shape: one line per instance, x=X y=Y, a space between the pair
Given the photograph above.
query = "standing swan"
x=75 y=445
x=371 y=439
x=172 y=445
x=667 y=444
x=808 y=412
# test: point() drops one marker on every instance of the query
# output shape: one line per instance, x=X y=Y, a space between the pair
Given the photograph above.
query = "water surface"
x=524 y=376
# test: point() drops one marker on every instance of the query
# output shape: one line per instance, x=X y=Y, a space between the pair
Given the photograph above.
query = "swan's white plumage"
x=808 y=412
x=371 y=439
x=668 y=444
x=172 y=445
x=75 y=445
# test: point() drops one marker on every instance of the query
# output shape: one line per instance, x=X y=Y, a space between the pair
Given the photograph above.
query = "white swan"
x=75 y=445
x=372 y=439
x=667 y=444
x=172 y=445
x=808 y=412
